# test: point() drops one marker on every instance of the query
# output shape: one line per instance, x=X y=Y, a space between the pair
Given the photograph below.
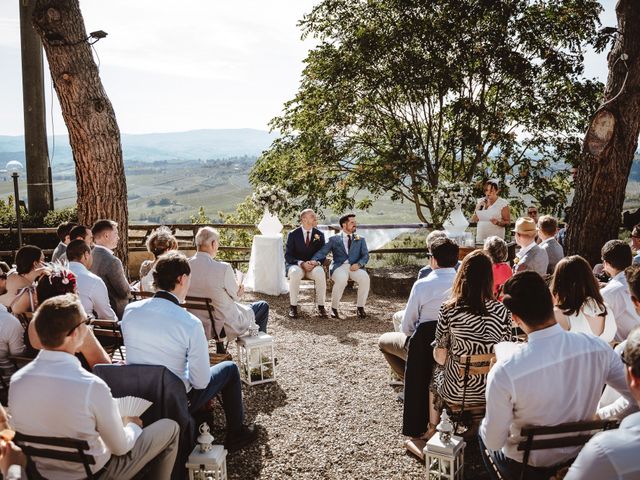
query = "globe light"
x=14 y=167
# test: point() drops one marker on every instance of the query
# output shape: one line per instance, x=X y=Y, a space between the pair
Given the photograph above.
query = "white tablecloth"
x=266 y=266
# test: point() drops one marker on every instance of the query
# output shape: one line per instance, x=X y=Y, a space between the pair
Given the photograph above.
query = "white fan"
x=132 y=406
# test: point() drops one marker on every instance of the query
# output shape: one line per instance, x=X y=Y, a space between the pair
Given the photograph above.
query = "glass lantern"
x=257 y=358
x=208 y=465
x=444 y=453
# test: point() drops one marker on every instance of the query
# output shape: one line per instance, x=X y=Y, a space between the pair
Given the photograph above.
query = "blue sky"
x=176 y=66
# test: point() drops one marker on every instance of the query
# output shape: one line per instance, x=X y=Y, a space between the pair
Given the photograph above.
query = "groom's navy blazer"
x=297 y=250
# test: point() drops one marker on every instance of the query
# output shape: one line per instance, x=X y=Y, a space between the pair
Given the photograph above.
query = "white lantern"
x=209 y=465
x=257 y=358
x=444 y=453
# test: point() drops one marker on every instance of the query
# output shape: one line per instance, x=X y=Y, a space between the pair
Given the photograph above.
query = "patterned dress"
x=464 y=333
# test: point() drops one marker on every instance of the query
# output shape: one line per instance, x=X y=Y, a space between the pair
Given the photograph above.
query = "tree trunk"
x=610 y=144
x=88 y=114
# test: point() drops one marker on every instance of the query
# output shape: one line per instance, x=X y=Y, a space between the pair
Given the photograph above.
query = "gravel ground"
x=331 y=414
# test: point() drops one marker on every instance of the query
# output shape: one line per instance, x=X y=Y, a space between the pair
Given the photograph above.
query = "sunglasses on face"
x=87 y=321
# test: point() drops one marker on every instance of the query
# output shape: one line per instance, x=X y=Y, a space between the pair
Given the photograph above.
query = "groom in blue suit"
x=350 y=255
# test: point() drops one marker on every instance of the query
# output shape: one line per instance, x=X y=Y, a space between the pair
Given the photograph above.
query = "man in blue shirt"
x=158 y=331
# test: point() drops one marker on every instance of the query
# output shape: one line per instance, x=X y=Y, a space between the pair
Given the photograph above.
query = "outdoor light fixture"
x=57 y=40
x=14 y=168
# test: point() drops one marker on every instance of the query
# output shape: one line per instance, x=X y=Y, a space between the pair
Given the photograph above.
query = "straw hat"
x=526 y=226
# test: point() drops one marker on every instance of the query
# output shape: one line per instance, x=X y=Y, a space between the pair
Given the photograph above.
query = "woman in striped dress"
x=471 y=322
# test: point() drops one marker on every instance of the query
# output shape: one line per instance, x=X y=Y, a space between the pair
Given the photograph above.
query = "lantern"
x=207 y=461
x=257 y=358
x=444 y=453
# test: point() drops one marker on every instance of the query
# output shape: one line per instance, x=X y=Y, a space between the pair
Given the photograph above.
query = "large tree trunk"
x=88 y=114
x=609 y=145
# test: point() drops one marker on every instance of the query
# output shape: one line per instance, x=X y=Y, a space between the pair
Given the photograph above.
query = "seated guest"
x=420 y=323
x=470 y=322
x=302 y=244
x=426 y=270
x=350 y=255
x=12 y=460
x=530 y=256
x=54 y=397
x=109 y=267
x=547 y=230
x=159 y=242
x=21 y=282
x=532 y=213
x=635 y=243
x=215 y=280
x=91 y=289
x=4 y=271
x=614 y=453
x=11 y=342
x=555 y=377
x=63 y=235
x=498 y=252
x=579 y=306
x=561 y=236
x=79 y=232
x=54 y=283
x=157 y=331
x=616 y=256
x=424 y=303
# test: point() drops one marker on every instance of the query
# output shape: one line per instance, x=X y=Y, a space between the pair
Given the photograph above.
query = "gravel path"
x=331 y=414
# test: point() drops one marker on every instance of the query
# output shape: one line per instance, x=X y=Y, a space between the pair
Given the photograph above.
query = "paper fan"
x=132 y=406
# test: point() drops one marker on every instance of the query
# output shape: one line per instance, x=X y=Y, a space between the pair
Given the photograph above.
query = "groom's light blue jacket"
x=358 y=253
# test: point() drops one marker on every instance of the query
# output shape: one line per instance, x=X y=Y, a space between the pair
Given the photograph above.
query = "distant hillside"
x=150 y=147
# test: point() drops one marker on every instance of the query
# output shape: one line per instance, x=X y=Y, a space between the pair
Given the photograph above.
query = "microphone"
x=484 y=203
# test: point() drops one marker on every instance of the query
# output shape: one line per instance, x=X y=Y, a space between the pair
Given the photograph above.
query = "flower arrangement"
x=449 y=196
x=274 y=198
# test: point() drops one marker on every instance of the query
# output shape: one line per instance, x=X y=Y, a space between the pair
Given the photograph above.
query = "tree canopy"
x=402 y=96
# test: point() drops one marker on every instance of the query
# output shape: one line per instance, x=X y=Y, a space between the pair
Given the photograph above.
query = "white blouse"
x=578 y=322
x=485 y=227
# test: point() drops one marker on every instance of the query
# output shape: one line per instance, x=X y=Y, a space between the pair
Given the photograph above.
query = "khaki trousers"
x=392 y=345
x=296 y=274
x=397 y=320
x=157 y=447
x=341 y=276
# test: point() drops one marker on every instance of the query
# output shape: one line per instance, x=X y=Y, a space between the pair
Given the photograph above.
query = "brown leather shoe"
x=293 y=311
x=322 y=312
x=335 y=314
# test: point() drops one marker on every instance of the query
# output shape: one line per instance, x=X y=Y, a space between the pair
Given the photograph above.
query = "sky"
x=194 y=64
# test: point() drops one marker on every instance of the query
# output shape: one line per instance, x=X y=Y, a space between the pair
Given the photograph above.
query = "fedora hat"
x=526 y=226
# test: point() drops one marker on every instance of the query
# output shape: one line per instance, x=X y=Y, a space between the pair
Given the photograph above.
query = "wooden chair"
x=583 y=430
x=471 y=365
x=26 y=443
x=109 y=335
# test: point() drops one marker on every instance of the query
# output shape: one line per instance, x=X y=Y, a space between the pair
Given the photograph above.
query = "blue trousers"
x=225 y=378
x=511 y=469
x=261 y=309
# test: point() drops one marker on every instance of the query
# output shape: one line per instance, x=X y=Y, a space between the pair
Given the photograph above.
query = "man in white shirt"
x=91 y=289
x=109 y=267
x=11 y=342
x=616 y=256
x=556 y=377
x=425 y=300
x=54 y=396
x=530 y=256
x=157 y=331
x=614 y=454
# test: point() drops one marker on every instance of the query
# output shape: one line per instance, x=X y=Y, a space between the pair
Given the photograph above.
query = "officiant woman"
x=492 y=213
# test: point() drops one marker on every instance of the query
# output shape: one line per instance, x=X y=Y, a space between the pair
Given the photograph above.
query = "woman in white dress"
x=492 y=213
x=579 y=304
x=160 y=241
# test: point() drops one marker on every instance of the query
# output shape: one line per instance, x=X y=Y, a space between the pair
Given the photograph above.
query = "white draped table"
x=266 y=266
